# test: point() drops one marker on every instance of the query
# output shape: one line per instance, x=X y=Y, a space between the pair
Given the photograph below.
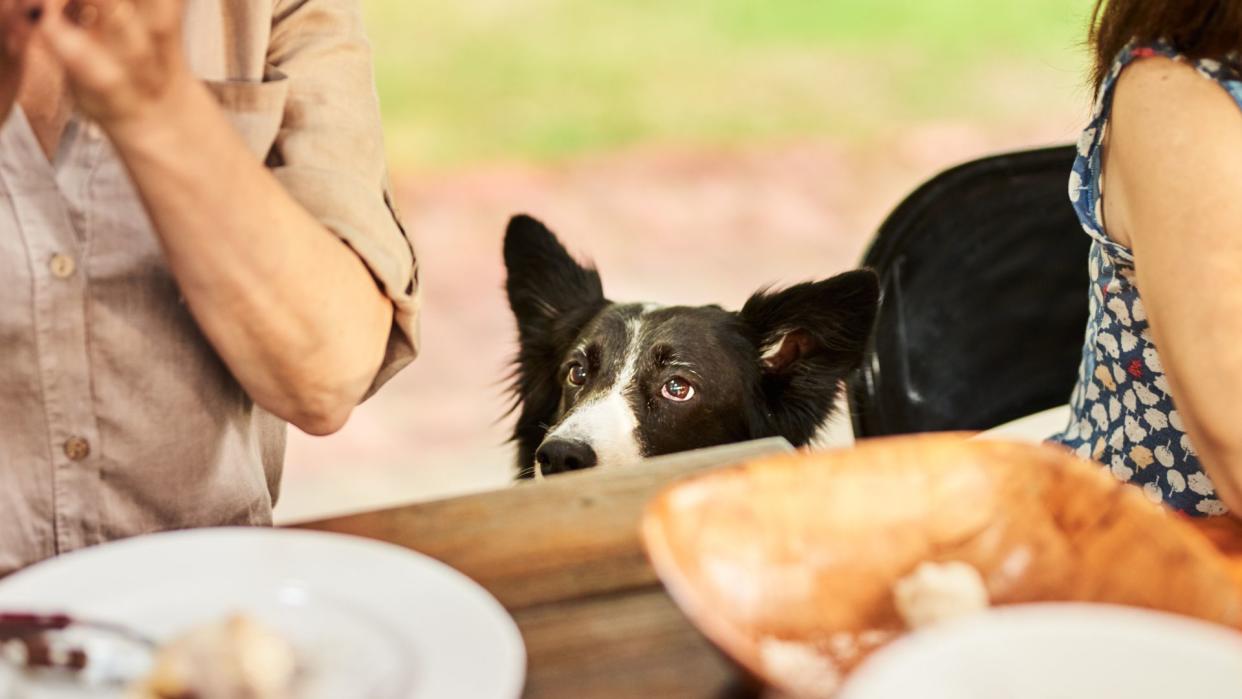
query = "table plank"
x=570 y=536
x=626 y=644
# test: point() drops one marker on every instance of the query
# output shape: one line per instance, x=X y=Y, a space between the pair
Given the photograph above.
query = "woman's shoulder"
x=1169 y=122
x=1173 y=140
x=1168 y=105
x=1171 y=88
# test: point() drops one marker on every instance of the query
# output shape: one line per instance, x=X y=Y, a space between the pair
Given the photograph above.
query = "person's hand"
x=124 y=58
x=17 y=23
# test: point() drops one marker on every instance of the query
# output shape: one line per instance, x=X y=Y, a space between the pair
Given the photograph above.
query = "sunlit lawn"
x=469 y=80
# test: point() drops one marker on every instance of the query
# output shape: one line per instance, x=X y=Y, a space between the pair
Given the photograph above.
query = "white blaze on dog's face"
x=606 y=422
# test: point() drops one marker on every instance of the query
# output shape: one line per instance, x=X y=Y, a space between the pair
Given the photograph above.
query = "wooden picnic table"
x=564 y=557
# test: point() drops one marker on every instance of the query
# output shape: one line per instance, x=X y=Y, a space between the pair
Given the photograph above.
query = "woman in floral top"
x=1158 y=186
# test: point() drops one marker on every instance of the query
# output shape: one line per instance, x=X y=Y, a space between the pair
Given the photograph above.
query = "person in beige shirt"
x=197 y=246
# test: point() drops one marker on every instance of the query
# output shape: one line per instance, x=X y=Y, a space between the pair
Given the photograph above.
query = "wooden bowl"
x=788 y=563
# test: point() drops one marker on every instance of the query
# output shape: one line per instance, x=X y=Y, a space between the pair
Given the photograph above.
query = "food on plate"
x=937 y=592
x=236 y=658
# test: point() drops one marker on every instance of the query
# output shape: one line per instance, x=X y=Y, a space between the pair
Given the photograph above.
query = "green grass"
x=471 y=80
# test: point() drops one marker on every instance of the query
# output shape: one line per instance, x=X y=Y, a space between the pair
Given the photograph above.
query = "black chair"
x=984 y=306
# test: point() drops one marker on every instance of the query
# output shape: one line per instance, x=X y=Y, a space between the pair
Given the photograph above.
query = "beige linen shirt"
x=116 y=416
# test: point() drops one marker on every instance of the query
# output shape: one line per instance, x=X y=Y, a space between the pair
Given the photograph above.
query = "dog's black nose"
x=560 y=455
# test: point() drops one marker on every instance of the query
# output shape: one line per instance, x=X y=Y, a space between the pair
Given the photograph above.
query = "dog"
x=599 y=383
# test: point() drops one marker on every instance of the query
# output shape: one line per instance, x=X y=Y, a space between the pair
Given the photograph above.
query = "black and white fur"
x=599 y=383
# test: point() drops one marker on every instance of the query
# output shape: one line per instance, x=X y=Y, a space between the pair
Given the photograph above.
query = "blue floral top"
x=1122 y=411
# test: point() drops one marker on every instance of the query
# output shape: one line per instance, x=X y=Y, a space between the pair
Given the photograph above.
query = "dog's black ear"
x=810 y=336
x=544 y=282
x=552 y=298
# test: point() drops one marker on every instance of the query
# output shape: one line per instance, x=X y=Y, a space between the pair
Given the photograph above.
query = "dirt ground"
x=662 y=224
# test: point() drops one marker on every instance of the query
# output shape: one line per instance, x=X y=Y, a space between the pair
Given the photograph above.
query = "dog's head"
x=603 y=383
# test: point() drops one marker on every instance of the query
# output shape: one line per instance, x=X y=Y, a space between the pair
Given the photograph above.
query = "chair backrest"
x=984 y=307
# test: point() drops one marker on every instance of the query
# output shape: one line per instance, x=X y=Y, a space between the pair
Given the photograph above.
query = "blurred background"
x=694 y=150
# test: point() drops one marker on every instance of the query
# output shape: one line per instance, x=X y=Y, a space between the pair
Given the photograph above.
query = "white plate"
x=1057 y=651
x=1035 y=428
x=367 y=619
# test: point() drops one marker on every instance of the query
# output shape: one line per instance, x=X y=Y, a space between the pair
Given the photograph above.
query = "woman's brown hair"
x=1196 y=28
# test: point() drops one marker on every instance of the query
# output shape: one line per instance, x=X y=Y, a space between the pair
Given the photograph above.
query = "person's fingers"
x=90 y=15
x=124 y=33
x=50 y=7
x=83 y=57
x=163 y=17
x=82 y=13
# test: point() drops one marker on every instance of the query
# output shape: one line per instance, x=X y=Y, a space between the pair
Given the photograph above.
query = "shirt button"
x=62 y=266
x=77 y=448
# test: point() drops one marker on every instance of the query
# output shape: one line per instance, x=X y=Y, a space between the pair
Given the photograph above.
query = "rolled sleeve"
x=329 y=152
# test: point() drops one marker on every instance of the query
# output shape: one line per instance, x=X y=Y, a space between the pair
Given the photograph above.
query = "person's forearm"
x=292 y=311
x=1208 y=410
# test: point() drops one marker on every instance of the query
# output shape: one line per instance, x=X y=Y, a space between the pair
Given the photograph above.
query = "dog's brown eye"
x=677 y=390
x=577 y=374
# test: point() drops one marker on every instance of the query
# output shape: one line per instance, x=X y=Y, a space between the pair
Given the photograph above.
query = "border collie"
x=598 y=383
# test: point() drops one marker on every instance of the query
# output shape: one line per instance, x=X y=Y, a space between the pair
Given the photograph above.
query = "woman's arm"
x=292 y=310
x=1173 y=184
